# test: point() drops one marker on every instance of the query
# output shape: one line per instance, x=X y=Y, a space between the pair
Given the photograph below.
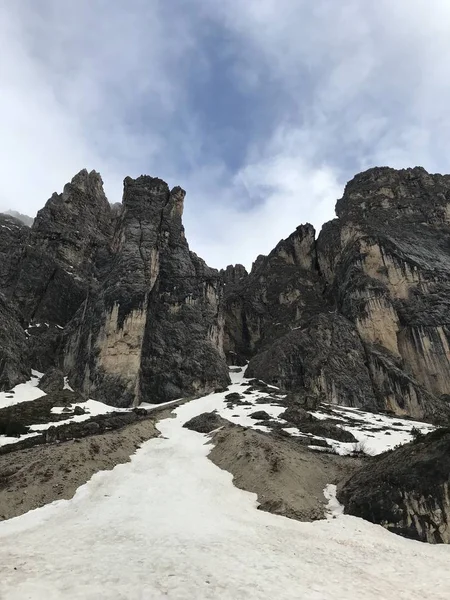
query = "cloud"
x=86 y=84
x=260 y=109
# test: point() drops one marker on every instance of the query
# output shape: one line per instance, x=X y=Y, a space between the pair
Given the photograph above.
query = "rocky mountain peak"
x=358 y=316
x=383 y=193
x=89 y=183
x=24 y=219
x=233 y=274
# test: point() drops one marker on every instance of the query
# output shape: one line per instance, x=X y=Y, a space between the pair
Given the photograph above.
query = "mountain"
x=333 y=348
x=357 y=316
x=25 y=219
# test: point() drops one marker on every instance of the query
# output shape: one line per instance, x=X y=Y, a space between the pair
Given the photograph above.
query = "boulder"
x=52 y=381
x=205 y=423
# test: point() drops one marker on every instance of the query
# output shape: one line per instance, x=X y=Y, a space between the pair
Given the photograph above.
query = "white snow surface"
x=375 y=433
x=334 y=507
x=170 y=524
x=24 y=392
x=28 y=391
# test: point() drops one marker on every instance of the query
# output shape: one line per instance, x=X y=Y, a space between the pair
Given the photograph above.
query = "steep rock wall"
x=152 y=329
x=383 y=265
x=405 y=490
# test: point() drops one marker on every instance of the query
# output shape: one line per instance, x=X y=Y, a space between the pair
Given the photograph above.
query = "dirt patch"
x=33 y=477
x=288 y=478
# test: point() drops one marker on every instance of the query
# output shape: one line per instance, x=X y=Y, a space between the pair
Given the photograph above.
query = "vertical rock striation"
x=359 y=316
x=382 y=267
x=152 y=328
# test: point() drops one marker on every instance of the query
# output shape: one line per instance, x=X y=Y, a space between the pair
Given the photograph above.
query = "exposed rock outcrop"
x=405 y=490
x=25 y=219
x=52 y=381
x=67 y=248
x=367 y=303
x=152 y=328
x=114 y=297
x=281 y=292
x=14 y=366
x=13 y=237
x=387 y=260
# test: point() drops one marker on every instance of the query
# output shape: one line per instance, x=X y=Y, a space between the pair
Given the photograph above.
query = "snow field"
x=170 y=525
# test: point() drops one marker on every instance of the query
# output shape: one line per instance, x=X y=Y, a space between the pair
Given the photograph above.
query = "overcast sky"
x=260 y=109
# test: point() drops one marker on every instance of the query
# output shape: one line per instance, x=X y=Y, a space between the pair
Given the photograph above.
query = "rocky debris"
x=97 y=424
x=36 y=476
x=308 y=423
x=79 y=410
x=288 y=479
x=39 y=410
x=52 y=381
x=205 y=423
x=234 y=396
x=153 y=327
x=328 y=430
x=405 y=490
x=12 y=428
x=260 y=415
x=297 y=416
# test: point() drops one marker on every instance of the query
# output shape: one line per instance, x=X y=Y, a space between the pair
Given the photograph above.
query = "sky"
x=260 y=109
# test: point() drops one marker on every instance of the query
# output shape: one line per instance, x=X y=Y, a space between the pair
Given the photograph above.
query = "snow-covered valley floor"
x=170 y=524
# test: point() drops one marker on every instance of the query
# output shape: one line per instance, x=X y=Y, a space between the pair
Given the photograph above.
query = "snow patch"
x=334 y=507
x=23 y=392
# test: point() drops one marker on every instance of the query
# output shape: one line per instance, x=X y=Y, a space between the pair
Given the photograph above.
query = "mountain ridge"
x=355 y=315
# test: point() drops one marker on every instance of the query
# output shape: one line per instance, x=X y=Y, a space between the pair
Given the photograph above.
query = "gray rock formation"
x=14 y=366
x=282 y=291
x=152 y=327
x=113 y=296
x=67 y=248
x=25 y=219
x=405 y=490
x=14 y=237
x=386 y=258
x=52 y=381
x=367 y=302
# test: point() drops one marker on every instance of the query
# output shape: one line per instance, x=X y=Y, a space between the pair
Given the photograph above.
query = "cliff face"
x=151 y=328
x=383 y=267
x=114 y=296
x=282 y=291
x=406 y=490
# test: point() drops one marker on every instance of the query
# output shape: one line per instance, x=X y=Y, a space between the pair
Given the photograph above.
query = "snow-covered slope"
x=24 y=392
x=29 y=391
x=170 y=524
x=375 y=433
